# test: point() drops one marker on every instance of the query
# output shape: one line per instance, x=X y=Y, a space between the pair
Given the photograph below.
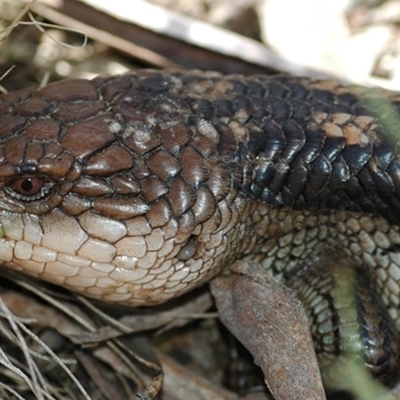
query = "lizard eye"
x=28 y=188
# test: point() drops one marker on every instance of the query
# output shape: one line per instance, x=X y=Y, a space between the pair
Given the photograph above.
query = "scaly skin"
x=137 y=188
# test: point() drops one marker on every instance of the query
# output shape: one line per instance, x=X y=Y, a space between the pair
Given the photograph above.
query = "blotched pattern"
x=137 y=188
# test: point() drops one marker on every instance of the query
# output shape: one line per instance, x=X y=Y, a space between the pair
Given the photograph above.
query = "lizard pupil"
x=27 y=185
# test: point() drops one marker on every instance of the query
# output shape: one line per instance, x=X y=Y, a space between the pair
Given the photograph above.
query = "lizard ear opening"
x=188 y=250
